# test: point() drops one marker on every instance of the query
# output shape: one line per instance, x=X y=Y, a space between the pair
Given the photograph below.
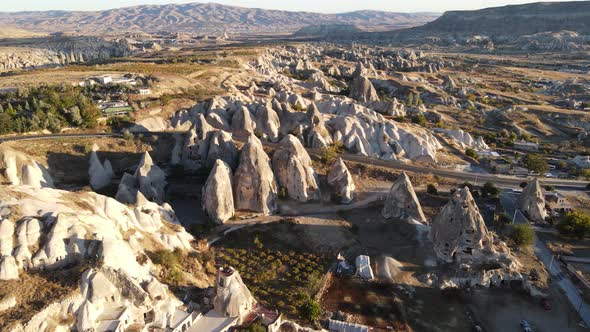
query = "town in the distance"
x=201 y=167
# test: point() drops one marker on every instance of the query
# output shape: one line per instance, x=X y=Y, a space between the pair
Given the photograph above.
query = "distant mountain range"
x=201 y=18
x=504 y=22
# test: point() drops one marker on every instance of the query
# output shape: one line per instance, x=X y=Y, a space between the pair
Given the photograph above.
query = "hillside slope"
x=199 y=18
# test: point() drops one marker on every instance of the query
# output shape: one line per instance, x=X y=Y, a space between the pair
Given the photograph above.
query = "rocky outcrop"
x=532 y=201
x=17 y=168
x=149 y=180
x=464 y=140
x=8 y=268
x=268 y=122
x=341 y=182
x=196 y=145
x=222 y=147
x=242 y=122
x=458 y=232
x=217 y=198
x=39 y=52
x=232 y=297
x=254 y=182
x=316 y=134
x=294 y=172
x=402 y=202
x=362 y=90
x=100 y=173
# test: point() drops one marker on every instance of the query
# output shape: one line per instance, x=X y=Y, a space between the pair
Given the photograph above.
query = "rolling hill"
x=201 y=18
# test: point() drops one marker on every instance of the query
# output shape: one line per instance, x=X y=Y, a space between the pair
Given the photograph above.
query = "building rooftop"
x=212 y=322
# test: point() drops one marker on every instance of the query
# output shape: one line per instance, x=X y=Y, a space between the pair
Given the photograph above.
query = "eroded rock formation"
x=294 y=172
x=402 y=202
x=217 y=198
x=255 y=188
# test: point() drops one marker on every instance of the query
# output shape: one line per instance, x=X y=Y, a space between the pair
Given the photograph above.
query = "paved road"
x=570 y=290
x=508 y=200
x=500 y=180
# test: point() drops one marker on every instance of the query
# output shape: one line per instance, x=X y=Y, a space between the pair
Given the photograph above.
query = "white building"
x=105 y=79
x=363 y=267
x=144 y=91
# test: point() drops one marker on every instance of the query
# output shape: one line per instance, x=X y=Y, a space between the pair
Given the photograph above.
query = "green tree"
x=6 y=125
x=490 y=190
x=576 y=224
x=310 y=310
x=410 y=99
x=419 y=119
x=470 y=152
x=522 y=235
x=536 y=163
x=256 y=327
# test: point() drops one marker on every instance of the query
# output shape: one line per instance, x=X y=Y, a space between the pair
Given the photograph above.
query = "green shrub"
x=419 y=119
x=490 y=190
x=310 y=310
x=522 y=235
x=469 y=152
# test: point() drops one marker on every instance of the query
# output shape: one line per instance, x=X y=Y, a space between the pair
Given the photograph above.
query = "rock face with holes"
x=532 y=201
x=341 y=181
x=458 y=232
x=294 y=172
x=218 y=199
x=196 y=145
x=255 y=188
x=232 y=297
x=100 y=173
x=402 y=202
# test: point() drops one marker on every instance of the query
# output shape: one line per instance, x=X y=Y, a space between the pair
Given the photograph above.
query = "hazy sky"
x=326 y=6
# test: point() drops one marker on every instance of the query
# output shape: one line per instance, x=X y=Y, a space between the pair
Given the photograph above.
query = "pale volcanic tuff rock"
x=101 y=226
x=341 y=181
x=368 y=133
x=532 y=201
x=196 y=145
x=267 y=121
x=402 y=202
x=18 y=168
x=100 y=173
x=465 y=140
x=255 y=188
x=242 y=122
x=222 y=147
x=458 y=232
x=149 y=179
x=363 y=90
x=317 y=135
x=294 y=172
x=217 y=198
x=8 y=268
x=232 y=297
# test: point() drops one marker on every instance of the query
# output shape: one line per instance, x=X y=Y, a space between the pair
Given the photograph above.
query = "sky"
x=323 y=6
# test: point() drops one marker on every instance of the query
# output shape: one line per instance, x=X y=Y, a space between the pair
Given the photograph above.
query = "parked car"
x=546 y=304
x=526 y=327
